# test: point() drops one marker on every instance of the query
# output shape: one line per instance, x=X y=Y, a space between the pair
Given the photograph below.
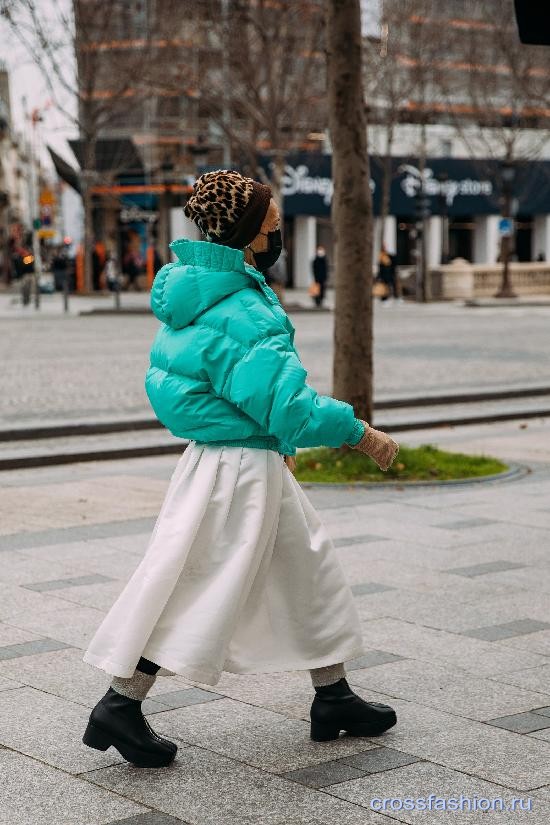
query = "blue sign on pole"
x=505 y=227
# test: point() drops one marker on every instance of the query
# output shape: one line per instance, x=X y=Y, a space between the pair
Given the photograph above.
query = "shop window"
x=461 y=237
x=523 y=238
x=405 y=241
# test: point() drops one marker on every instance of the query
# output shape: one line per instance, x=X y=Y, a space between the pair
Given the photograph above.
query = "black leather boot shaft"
x=117 y=720
x=336 y=707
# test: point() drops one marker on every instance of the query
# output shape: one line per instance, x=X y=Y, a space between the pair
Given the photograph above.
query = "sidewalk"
x=453 y=588
x=52 y=304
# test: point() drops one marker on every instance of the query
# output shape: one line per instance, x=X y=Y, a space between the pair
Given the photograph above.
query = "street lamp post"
x=508 y=174
x=443 y=177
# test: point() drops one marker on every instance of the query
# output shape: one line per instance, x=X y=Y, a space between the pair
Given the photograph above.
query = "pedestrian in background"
x=387 y=274
x=319 y=267
x=240 y=574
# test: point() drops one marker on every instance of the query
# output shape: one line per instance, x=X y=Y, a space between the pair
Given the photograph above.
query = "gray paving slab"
x=372 y=659
x=380 y=759
x=74 y=581
x=519 y=762
x=452 y=612
x=323 y=774
x=30 y=648
x=101 y=595
x=9 y=684
x=257 y=736
x=345 y=541
x=545 y=711
x=537 y=642
x=289 y=693
x=10 y=635
x=474 y=656
x=446 y=688
x=534 y=678
x=33 y=793
x=19 y=568
x=526 y=722
x=16 y=601
x=73 y=624
x=62 y=673
x=543 y=733
x=151 y=818
x=388 y=791
x=466 y=524
x=507 y=630
x=486 y=567
x=365 y=588
x=53 y=535
x=49 y=729
x=422 y=579
x=206 y=788
x=185 y=697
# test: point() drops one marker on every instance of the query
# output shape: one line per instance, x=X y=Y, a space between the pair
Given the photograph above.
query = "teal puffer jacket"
x=223 y=367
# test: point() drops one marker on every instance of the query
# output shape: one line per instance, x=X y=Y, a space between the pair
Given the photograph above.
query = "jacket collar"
x=221 y=259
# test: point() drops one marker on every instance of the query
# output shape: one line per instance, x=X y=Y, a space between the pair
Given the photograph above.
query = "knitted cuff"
x=356 y=434
x=136 y=687
x=322 y=676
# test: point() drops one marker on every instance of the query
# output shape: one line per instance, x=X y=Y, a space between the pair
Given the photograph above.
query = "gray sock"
x=136 y=687
x=322 y=676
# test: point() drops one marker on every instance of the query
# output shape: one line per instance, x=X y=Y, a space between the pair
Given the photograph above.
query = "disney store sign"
x=298 y=180
x=413 y=180
x=469 y=187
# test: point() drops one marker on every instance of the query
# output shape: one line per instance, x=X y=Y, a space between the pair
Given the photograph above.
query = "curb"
x=23 y=462
x=480 y=303
x=146 y=311
x=513 y=473
x=151 y=423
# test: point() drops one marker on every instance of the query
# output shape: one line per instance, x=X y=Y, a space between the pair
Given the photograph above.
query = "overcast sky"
x=27 y=81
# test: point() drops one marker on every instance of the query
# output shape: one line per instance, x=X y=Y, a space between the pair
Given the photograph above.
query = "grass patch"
x=424 y=463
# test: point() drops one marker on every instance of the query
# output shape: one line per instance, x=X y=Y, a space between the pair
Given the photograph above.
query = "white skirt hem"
x=193 y=674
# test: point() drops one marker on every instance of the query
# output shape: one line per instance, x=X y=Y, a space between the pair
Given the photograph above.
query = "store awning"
x=65 y=170
x=113 y=155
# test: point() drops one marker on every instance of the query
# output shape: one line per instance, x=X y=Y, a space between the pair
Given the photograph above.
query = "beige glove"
x=290 y=461
x=379 y=446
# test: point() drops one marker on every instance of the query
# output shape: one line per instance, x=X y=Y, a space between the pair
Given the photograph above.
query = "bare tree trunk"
x=87 y=177
x=351 y=208
x=425 y=283
x=88 y=239
x=386 y=182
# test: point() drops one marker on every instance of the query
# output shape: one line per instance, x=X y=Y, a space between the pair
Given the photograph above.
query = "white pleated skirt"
x=239 y=575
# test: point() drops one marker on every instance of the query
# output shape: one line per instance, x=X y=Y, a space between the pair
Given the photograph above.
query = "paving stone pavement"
x=453 y=589
x=103 y=359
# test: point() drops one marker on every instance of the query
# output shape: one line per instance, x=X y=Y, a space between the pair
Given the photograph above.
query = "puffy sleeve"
x=267 y=381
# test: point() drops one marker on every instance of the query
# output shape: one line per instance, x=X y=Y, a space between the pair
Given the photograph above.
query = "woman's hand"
x=378 y=446
x=290 y=461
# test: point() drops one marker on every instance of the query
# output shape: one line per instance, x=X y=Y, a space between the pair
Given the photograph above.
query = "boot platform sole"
x=327 y=733
x=99 y=739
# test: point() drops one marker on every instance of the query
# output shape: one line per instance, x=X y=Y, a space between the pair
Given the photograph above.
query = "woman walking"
x=239 y=574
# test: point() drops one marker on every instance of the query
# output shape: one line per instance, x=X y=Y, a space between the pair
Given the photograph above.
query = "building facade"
x=455 y=106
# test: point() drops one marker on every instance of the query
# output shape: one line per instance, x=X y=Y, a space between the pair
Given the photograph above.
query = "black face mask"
x=274 y=247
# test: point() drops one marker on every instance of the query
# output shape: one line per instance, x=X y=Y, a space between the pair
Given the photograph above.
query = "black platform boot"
x=336 y=707
x=118 y=721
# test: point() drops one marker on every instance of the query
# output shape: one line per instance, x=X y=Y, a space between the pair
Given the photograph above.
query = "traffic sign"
x=505 y=227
